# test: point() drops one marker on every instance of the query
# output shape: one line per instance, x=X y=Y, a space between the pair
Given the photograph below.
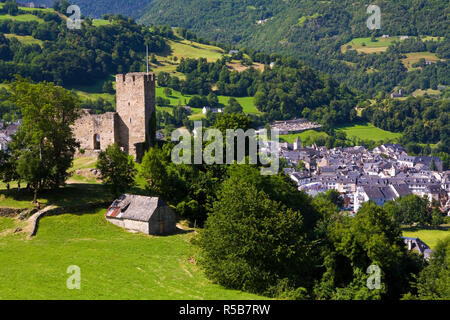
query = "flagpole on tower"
x=147 y=57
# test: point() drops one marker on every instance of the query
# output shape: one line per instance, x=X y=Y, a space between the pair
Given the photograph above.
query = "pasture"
x=429 y=236
x=414 y=57
x=367 y=131
x=114 y=263
x=28 y=40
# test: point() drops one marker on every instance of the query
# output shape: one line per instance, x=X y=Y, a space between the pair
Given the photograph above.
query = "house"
x=233 y=52
x=205 y=110
x=397 y=95
x=378 y=194
x=149 y=215
x=404 y=37
x=417 y=245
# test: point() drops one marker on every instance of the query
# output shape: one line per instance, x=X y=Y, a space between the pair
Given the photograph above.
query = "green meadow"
x=114 y=263
x=429 y=236
x=304 y=136
x=367 y=131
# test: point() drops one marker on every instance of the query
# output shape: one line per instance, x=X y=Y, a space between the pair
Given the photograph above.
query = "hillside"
x=314 y=31
x=327 y=35
x=97 y=8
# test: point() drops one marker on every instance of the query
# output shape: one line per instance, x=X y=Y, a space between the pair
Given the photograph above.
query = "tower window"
x=131 y=120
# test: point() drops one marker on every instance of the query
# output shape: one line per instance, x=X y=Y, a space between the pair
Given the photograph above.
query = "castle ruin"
x=132 y=127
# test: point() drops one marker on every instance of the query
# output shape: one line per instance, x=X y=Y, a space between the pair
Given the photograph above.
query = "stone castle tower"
x=135 y=105
x=132 y=127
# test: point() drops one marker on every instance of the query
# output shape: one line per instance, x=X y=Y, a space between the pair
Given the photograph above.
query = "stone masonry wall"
x=135 y=94
x=89 y=125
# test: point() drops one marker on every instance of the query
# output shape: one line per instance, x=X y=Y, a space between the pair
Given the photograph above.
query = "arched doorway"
x=96 y=141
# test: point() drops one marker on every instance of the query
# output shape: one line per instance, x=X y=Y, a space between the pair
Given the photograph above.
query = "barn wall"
x=165 y=215
x=140 y=226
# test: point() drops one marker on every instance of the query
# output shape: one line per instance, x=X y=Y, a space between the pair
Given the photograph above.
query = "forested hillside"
x=315 y=31
x=96 y=8
x=318 y=32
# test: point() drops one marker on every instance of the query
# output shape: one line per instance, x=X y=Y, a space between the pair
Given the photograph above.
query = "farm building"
x=149 y=215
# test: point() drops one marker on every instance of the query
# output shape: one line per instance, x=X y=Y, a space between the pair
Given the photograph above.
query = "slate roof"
x=134 y=207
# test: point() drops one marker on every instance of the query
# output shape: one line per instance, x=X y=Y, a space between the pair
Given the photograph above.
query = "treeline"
x=284 y=90
x=421 y=120
x=315 y=31
x=69 y=57
x=262 y=235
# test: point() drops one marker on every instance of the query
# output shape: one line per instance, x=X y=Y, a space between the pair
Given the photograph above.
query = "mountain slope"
x=96 y=8
x=237 y=20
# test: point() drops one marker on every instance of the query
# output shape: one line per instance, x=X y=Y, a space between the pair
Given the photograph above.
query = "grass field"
x=414 y=57
x=21 y=18
x=364 y=131
x=100 y=22
x=177 y=98
x=29 y=40
x=365 y=45
x=304 y=136
x=114 y=263
x=368 y=132
x=430 y=237
x=94 y=91
x=184 y=49
x=431 y=92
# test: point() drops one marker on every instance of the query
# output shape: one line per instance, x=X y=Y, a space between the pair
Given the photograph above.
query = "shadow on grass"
x=70 y=195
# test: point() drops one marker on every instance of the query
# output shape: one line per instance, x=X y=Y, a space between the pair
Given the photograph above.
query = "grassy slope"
x=414 y=57
x=368 y=132
x=303 y=136
x=430 y=237
x=28 y=40
x=114 y=264
x=362 y=131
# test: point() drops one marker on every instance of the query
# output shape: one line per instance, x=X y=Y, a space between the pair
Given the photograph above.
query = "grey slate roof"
x=134 y=207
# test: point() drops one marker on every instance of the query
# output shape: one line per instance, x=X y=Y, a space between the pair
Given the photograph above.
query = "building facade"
x=132 y=127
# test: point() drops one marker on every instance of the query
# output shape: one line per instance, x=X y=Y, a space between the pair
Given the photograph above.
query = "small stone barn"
x=149 y=215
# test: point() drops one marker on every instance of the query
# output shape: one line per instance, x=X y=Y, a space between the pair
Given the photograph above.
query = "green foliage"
x=80 y=57
x=372 y=237
x=117 y=169
x=422 y=120
x=42 y=150
x=108 y=87
x=409 y=209
x=232 y=121
x=436 y=218
x=233 y=107
x=314 y=31
x=433 y=282
x=251 y=241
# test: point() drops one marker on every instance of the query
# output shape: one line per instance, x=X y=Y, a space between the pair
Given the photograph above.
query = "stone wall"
x=130 y=126
x=135 y=101
x=163 y=221
x=96 y=131
x=128 y=224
